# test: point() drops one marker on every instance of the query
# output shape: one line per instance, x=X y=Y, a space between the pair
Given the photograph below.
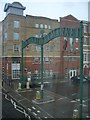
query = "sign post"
x=66 y=32
x=81 y=68
x=22 y=82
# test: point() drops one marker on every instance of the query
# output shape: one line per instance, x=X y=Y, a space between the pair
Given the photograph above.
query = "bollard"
x=75 y=114
x=28 y=85
x=38 y=96
x=19 y=86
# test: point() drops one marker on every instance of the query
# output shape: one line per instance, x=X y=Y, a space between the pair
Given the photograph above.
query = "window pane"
x=16 y=47
x=5 y=36
x=76 y=39
x=45 y=26
x=41 y=25
x=49 y=27
x=36 y=59
x=85 y=28
x=85 y=41
x=37 y=25
x=16 y=24
x=16 y=36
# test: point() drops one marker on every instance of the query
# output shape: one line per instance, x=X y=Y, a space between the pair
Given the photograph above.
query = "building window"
x=16 y=74
x=46 y=59
x=37 y=25
x=47 y=73
x=71 y=50
x=47 y=47
x=16 y=36
x=49 y=27
x=85 y=41
x=37 y=48
x=85 y=57
x=15 y=70
x=16 y=47
x=77 y=49
x=36 y=36
x=85 y=29
x=76 y=40
x=46 y=27
x=36 y=59
x=16 y=24
x=5 y=36
x=41 y=25
x=71 y=42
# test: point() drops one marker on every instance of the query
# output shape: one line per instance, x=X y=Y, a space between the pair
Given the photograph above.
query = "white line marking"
x=73 y=101
x=45 y=117
x=21 y=100
x=87 y=100
x=34 y=113
x=33 y=108
x=78 y=100
x=31 y=102
x=24 y=91
x=62 y=98
x=74 y=94
x=42 y=102
x=29 y=109
x=38 y=111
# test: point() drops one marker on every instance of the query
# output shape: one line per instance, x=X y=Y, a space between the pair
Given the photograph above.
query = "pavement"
x=52 y=105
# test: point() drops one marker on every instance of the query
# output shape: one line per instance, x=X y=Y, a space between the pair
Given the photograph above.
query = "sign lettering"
x=67 y=32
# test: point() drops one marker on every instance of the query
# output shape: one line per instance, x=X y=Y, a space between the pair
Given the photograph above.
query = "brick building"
x=86 y=48
x=61 y=55
x=70 y=49
x=17 y=27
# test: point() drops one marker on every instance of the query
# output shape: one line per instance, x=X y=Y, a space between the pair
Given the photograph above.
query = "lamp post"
x=22 y=66
x=81 y=68
x=42 y=31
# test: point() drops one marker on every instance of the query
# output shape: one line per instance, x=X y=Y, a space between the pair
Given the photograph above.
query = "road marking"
x=34 y=113
x=62 y=98
x=87 y=116
x=78 y=100
x=38 y=111
x=21 y=100
x=84 y=105
x=45 y=117
x=74 y=94
x=73 y=101
x=87 y=100
x=33 y=108
x=39 y=103
x=29 y=109
x=19 y=91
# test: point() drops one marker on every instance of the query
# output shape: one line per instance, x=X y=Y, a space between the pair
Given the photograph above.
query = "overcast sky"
x=51 y=8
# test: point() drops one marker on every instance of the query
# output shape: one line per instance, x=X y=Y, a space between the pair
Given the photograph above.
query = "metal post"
x=42 y=71
x=81 y=68
x=22 y=67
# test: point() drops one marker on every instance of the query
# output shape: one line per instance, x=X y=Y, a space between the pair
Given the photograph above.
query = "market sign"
x=66 y=32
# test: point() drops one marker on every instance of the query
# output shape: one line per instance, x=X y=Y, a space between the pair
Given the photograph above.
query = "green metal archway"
x=58 y=32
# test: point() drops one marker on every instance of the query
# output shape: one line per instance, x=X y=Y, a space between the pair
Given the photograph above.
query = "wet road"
x=8 y=110
x=60 y=99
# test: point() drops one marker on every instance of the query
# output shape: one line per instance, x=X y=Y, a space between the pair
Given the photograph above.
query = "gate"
x=66 y=32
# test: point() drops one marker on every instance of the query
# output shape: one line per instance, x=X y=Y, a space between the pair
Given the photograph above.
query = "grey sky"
x=52 y=8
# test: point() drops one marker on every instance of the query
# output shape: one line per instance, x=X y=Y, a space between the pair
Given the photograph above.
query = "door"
x=72 y=73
